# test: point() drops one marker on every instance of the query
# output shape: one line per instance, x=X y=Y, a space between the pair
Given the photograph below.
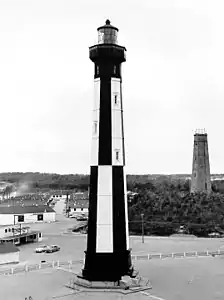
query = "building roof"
x=60 y=192
x=17 y=202
x=8 y=248
x=80 y=196
x=25 y=209
x=79 y=203
x=16 y=236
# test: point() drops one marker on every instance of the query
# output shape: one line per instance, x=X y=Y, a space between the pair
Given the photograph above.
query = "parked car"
x=72 y=216
x=214 y=235
x=41 y=249
x=82 y=218
x=52 y=248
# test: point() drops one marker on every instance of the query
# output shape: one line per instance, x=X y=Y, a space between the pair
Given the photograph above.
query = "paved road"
x=73 y=245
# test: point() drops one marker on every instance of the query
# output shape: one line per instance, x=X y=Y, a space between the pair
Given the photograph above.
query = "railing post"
x=196 y=253
x=40 y=266
x=207 y=253
x=160 y=256
x=53 y=264
x=148 y=256
x=12 y=270
x=172 y=255
x=218 y=251
x=26 y=268
x=58 y=263
x=69 y=264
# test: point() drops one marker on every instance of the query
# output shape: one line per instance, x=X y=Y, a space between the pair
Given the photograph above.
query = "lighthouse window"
x=115 y=69
x=117 y=155
x=97 y=70
x=95 y=127
x=115 y=99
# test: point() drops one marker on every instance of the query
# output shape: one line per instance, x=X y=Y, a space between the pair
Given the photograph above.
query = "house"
x=26 y=214
x=9 y=253
x=79 y=206
x=78 y=203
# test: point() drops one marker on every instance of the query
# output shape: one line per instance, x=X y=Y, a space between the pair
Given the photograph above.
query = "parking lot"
x=73 y=245
x=172 y=279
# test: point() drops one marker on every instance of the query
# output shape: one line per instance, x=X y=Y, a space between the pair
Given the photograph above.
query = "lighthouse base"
x=108 y=267
x=125 y=286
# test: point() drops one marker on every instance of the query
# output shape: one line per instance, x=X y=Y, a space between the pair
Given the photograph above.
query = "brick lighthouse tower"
x=107 y=257
x=200 y=179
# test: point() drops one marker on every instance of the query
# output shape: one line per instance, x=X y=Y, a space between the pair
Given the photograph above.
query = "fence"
x=178 y=255
x=43 y=265
x=70 y=263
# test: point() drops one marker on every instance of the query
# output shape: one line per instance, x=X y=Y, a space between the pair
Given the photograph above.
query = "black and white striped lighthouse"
x=107 y=257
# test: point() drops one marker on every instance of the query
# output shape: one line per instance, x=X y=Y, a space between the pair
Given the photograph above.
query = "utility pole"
x=142 y=217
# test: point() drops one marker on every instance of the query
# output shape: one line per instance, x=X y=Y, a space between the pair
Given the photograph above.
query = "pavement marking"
x=157 y=298
x=65 y=295
x=152 y=296
x=68 y=270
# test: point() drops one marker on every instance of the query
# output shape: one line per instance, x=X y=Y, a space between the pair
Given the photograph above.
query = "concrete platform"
x=125 y=286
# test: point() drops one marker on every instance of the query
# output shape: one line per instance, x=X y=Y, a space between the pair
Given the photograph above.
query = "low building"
x=80 y=206
x=18 y=234
x=59 y=195
x=26 y=214
x=9 y=253
x=78 y=203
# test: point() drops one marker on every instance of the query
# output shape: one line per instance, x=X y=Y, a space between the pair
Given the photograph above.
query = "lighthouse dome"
x=107 y=34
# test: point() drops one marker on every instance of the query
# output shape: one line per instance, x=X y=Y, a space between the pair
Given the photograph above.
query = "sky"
x=172 y=82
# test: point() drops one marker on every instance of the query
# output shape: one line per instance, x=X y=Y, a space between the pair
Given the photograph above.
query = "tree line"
x=165 y=200
x=168 y=205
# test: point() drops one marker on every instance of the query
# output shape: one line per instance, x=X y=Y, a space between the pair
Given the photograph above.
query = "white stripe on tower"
x=104 y=231
x=126 y=209
x=95 y=124
x=116 y=118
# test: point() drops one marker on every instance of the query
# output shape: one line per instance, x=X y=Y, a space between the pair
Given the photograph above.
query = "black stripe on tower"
x=92 y=220
x=119 y=229
x=113 y=69
x=105 y=130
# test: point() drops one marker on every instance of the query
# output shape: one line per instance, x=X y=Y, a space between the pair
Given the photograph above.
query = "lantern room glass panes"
x=107 y=36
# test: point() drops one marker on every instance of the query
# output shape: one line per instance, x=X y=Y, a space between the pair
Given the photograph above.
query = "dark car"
x=82 y=218
x=52 y=248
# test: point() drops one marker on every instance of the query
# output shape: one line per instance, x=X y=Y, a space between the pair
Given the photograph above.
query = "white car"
x=41 y=249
